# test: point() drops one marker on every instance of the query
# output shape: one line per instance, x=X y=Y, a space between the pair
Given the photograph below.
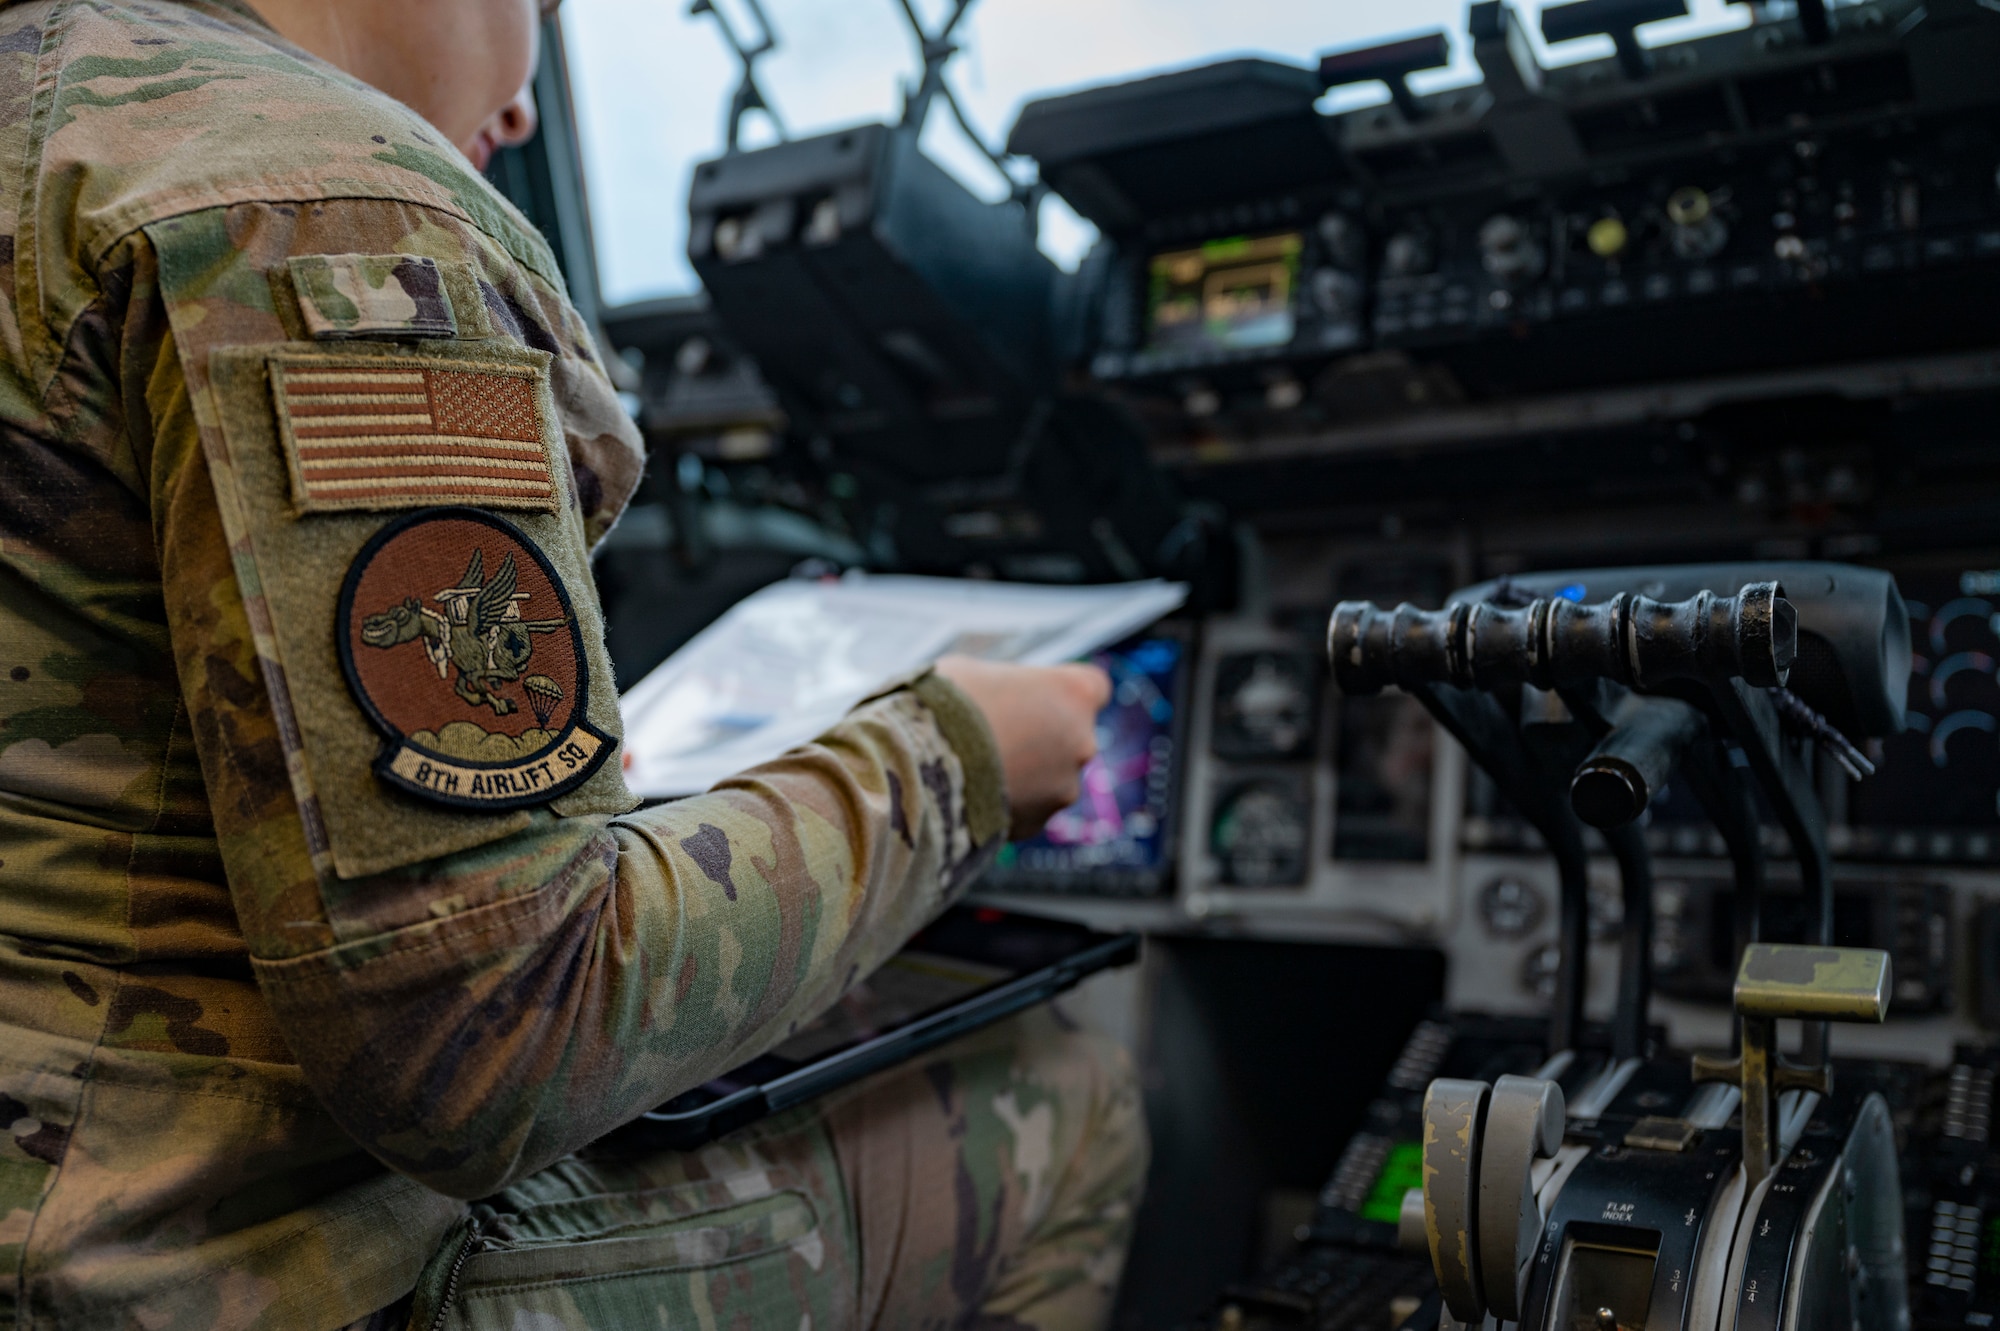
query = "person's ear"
x=515 y=123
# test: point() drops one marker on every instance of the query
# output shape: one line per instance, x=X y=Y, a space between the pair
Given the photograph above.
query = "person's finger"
x=1087 y=738
x=1091 y=684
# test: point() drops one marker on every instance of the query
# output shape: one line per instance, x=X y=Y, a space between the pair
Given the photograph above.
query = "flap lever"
x=1789 y=980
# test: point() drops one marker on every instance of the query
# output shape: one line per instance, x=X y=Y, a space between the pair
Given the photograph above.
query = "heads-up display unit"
x=1117 y=837
x=1233 y=294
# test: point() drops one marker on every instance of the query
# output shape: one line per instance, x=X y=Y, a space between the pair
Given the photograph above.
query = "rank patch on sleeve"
x=384 y=433
x=459 y=642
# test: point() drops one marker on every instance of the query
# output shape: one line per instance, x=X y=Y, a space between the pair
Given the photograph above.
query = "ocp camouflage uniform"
x=322 y=904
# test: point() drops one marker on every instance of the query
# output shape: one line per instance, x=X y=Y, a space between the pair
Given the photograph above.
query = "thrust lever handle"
x=1634 y=640
x=1479 y=1216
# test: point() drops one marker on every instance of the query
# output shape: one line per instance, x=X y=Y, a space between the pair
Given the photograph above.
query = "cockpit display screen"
x=1226 y=295
x=1116 y=835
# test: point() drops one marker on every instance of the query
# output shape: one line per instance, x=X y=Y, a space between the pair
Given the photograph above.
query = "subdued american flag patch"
x=380 y=433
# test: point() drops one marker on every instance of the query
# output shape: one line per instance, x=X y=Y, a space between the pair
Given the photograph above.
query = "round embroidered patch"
x=460 y=644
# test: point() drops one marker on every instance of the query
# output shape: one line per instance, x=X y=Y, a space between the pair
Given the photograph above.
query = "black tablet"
x=973 y=966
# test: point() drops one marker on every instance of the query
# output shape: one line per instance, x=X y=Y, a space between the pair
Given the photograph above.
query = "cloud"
x=464 y=740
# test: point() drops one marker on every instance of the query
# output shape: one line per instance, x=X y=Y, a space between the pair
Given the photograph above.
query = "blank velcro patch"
x=372 y=295
x=379 y=433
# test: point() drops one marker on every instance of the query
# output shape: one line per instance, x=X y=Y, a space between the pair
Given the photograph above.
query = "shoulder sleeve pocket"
x=423 y=574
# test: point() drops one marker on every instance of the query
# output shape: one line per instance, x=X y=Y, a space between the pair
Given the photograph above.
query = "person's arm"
x=472 y=1014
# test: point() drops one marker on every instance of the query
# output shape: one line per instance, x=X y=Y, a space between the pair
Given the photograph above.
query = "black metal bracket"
x=936 y=50
x=1615 y=19
x=748 y=96
x=1813 y=20
x=1604 y=710
x=1392 y=63
x=1500 y=49
x=1784 y=768
x=1494 y=739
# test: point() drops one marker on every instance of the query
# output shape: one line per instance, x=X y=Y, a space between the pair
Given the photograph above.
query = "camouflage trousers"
x=991 y=1185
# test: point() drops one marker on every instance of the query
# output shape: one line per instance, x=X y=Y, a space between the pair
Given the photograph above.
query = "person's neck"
x=314 y=26
x=241 y=9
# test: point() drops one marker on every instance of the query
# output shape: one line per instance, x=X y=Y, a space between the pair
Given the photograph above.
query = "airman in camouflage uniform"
x=323 y=906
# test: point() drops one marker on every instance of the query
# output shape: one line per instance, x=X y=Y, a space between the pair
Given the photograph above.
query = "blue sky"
x=651 y=84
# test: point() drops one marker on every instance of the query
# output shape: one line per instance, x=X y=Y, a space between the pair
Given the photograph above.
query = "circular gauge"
x=1538 y=972
x=1266 y=704
x=1409 y=253
x=1261 y=834
x=1342 y=240
x=1510 y=908
x=1607 y=913
x=1336 y=294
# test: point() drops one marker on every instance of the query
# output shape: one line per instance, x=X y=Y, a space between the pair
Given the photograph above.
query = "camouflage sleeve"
x=475 y=992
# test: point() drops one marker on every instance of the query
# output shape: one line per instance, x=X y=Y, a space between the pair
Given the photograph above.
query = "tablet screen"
x=911 y=984
x=967 y=951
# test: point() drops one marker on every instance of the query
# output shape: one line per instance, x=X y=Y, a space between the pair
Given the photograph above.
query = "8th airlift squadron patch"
x=460 y=643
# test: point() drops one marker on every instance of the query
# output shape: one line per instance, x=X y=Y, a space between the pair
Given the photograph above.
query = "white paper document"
x=787 y=662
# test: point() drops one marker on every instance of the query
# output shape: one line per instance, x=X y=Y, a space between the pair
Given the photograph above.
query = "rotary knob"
x=1693 y=229
x=1509 y=251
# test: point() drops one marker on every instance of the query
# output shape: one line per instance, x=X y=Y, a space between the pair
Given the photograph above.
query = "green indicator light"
x=1989 y=1250
x=1401 y=1171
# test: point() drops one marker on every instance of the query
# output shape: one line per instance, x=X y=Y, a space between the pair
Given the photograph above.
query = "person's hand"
x=1044 y=719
